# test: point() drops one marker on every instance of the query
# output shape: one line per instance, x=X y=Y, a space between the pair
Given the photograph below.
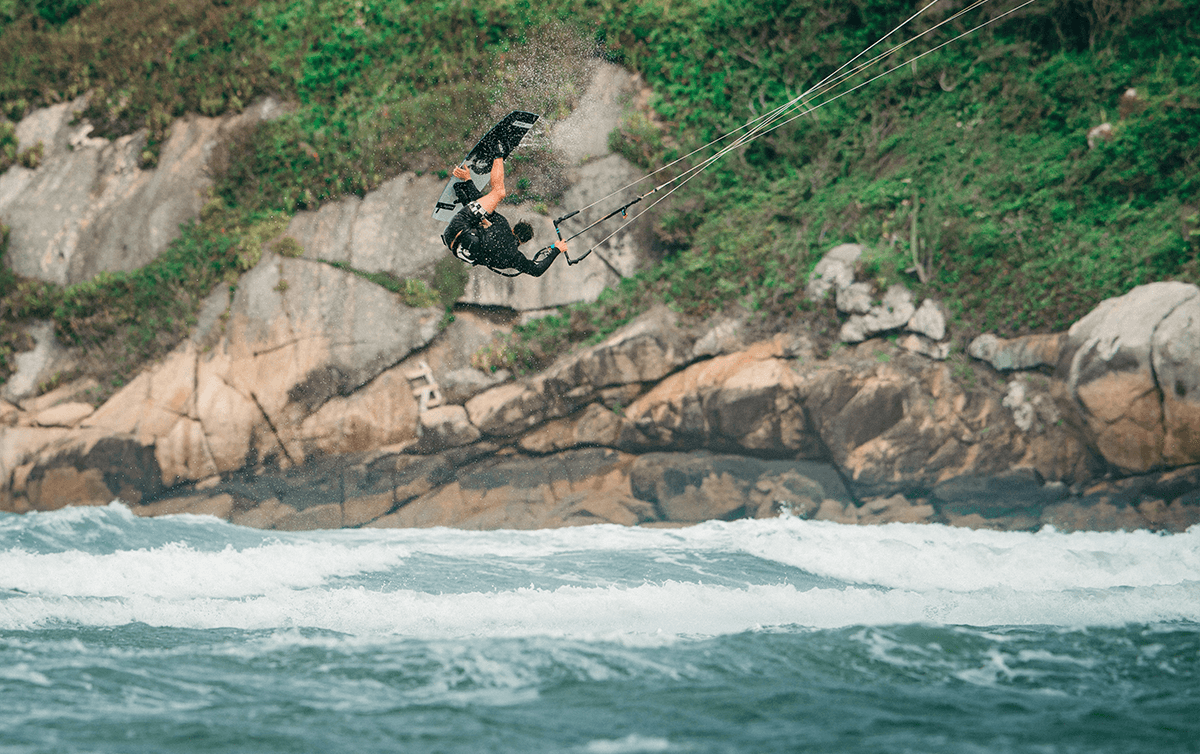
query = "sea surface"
x=189 y=634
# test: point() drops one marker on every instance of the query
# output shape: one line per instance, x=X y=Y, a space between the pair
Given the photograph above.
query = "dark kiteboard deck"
x=499 y=142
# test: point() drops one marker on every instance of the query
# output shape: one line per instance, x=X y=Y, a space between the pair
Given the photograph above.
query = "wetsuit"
x=494 y=246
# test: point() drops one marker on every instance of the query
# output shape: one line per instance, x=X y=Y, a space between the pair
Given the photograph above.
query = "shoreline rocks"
x=636 y=430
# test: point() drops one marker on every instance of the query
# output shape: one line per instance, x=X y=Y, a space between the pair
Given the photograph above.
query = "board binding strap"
x=497 y=143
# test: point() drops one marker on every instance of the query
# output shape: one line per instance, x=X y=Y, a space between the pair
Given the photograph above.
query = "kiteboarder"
x=478 y=234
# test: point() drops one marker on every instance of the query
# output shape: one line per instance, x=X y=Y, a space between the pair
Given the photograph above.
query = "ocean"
x=189 y=634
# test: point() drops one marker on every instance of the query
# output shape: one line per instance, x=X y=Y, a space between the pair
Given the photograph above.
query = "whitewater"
x=186 y=633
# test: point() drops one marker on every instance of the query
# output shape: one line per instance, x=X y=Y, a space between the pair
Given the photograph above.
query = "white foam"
x=892 y=574
x=631 y=744
x=905 y=556
x=663 y=610
x=923 y=556
x=178 y=571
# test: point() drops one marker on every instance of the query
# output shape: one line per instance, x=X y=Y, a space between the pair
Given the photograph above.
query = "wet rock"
x=896 y=509
x=221 y=506
x=1096 y=516
x=692 y=487
x=90 y=469
x=1018 y=493
x=515 y=493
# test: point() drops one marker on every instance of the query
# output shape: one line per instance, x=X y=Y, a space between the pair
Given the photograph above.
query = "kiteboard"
x=498 y=142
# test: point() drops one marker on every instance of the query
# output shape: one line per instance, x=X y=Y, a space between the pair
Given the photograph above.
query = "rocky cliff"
x=306 y=412
x=309 y=397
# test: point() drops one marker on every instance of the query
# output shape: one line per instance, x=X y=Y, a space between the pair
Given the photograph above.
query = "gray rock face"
x=834 y=272
x=1019 y=492
x=1026 y=352
x=35 y=366
x=1130 y=368
x=458 y=385
x=930 y=320
x=390 y=230
x=855 y=298
x=583 y=135
x=358 y=328
x=89 y=208
x=893 y=312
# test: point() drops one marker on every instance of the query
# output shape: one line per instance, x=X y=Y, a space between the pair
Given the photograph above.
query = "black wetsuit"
x=495 y=246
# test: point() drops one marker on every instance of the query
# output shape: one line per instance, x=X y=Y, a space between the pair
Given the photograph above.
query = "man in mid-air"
x=479 y=234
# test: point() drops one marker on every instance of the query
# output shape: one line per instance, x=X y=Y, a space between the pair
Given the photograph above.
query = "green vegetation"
x=973 y=164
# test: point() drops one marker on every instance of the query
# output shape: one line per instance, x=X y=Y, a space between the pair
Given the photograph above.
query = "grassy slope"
x=1021 y=226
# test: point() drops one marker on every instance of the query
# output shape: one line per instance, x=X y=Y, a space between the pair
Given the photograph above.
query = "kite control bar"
x=622 y=211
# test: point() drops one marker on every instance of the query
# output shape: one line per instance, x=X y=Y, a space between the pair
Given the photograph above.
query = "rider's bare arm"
x=491 y=200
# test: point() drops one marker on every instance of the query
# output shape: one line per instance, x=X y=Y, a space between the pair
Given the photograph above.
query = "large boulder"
x=300 y=335
x=746 y=400
x=90 y=208
x=48 y=469
x=895 y=422
x=1132 y=371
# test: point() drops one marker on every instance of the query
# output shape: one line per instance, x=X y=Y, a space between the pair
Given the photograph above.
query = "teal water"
x=187 y=634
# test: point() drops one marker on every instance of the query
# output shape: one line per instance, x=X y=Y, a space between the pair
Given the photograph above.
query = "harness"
x=463 y=253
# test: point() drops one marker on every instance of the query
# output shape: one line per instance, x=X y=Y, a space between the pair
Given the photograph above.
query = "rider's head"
x=523 y=231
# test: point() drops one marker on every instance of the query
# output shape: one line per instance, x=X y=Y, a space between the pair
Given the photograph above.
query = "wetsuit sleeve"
x=466 y=192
